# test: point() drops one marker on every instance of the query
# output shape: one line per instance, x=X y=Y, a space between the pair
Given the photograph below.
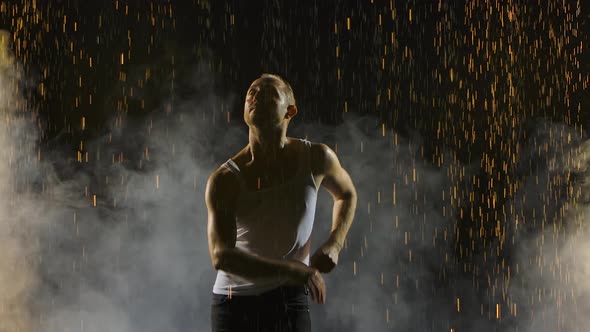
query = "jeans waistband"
x=279 y=292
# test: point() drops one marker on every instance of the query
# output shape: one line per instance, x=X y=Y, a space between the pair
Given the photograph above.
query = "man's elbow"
x=349 y=196
x=219 y=258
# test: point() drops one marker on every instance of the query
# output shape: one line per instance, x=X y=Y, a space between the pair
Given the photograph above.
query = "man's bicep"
x=221 y=225
x=336 y=180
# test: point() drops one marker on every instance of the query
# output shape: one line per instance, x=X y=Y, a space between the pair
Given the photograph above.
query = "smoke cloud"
x=115 y=240
x=20 y=216
x=550 y=289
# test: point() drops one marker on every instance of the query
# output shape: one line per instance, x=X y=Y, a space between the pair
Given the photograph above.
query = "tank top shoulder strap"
x=308 y=143
x=233 y=167
x=307 y=153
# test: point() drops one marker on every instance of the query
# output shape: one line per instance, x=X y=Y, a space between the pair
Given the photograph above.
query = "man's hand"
x=310 y=277
x=317 y=287
x=325 y=257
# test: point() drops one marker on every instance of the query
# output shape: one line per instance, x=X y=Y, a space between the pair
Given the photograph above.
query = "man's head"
x=270 y=103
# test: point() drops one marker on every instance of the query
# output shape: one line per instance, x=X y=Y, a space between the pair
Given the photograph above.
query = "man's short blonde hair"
x=288 y=90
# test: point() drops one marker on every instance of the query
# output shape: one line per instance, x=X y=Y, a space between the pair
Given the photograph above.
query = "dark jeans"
x=283 y=309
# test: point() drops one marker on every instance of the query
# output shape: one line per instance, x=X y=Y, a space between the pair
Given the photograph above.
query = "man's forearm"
x=247 y=265
x=342 y=217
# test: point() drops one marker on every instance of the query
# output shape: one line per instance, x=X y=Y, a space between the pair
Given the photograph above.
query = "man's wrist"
x=299 y=272
x=335 y=243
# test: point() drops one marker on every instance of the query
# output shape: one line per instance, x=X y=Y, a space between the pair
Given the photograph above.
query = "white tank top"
x=273 y=222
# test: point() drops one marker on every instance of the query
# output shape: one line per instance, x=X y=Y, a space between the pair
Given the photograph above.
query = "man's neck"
x=267 y=149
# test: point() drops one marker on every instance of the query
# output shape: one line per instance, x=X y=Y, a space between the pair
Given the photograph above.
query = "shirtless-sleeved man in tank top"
x=261 y=207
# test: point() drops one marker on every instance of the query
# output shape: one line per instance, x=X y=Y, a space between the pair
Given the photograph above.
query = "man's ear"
x=291 y=111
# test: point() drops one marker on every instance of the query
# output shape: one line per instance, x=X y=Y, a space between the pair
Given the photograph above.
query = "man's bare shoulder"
x=222 y=182
x=322 y=156
x=224 y=174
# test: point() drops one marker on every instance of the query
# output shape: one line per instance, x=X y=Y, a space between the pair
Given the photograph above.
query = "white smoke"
x=138 y=259
x=18 y=211
x=551 y=288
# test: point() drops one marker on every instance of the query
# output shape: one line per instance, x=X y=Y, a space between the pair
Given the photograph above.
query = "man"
x=261 y=207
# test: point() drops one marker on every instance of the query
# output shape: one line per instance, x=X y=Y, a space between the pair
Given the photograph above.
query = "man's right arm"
x=220 y=197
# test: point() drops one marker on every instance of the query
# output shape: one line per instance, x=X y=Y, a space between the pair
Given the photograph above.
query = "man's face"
x=266 y=103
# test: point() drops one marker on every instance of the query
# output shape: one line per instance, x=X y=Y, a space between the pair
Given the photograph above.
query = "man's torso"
x=273 y=218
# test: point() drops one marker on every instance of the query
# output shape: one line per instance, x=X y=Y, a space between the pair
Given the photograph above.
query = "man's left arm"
x=339 y=184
